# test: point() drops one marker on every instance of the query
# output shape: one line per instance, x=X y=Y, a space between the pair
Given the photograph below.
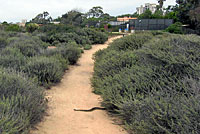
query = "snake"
x=90 y=110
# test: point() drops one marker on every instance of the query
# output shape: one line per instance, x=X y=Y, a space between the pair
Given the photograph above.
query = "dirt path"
x=75 y=91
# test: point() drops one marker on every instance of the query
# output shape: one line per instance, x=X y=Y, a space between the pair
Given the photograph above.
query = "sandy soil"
x=75 y=91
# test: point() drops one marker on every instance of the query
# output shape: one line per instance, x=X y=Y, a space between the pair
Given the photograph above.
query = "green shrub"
x=52 y=28
x=29 y=46
x=22 y=103
x=87 y=47
x=71 y=52
x=12 y=58
x=28 y=50
x=58 y=54
x=42 y=36
x=152 y=83
x=111 y=63
x=32 y=27
x=132 y=42
x=69 y=37
x=95 y=37
x=175 y=28
x=172 y=115
x=3 y=42
x=179 y=54
x=66 y=34
x=47 y=70
x=13 y=27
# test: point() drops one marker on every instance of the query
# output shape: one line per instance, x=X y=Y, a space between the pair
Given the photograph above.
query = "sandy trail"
x=75 y=91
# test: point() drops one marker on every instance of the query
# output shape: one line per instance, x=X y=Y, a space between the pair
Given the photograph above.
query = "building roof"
x=126 y=19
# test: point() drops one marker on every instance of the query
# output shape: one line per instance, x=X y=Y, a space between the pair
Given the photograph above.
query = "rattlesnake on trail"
x=90 y=110
x=73 y=95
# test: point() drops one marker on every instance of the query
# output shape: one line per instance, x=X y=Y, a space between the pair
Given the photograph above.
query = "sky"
x=16 y=10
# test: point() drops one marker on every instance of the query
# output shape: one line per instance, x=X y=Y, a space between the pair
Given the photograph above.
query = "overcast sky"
x=16 y=10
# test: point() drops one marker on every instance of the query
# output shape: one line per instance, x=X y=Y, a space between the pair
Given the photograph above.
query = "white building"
x=22 y=23
x=140 y=10
x=152 y=7
x=55 y=22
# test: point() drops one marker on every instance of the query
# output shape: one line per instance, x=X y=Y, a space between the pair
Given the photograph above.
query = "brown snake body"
x=90 y=110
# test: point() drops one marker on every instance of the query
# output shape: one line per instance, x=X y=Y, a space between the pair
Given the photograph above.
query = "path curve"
x=75 y=91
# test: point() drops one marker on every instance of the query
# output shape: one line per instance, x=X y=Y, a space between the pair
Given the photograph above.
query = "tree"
x=73 y=17
x=42 y=18
x=158 y=14
x=5 y=23
x=171 y=15
x=105 y=16
x=187 y=12
x=45 y=14
x=129 y=15
x=95 y=12
x=146 y=15
x=195 y=17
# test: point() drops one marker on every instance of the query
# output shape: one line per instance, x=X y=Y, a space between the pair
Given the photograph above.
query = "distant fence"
x=150 y=24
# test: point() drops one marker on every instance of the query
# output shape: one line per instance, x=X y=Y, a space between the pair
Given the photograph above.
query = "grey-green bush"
x=12 y=58
x=3 y=42
x=22 y=102
x=152 y=83
x=72 y=53
x=95 y=37
x=58 y=54
x=132 y=42
x=47 y=70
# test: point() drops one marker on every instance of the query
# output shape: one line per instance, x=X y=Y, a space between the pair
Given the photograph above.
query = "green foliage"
x=22 y=103
x=158 y=14
x=195 y=18
x=28 y=46
x=12 y=58
x=59 y=54
x=175 y=28
x=13 y=27
x=68 y=37
x=46 y=70
x=146 y=15
x=87 y=47
x=3 y=42
x=42 y=18
x=28 y=50
x=56 y=34
x=31 y=27
x=152 y=84
x=26 y=62
x=130 y=15
x=163 y=115
x=52 y=29
x=95 y=37
x=171 y=15
x=109 y=26
x=188 y=13
x=95 y=12
x=73 y=17
x=135 y=41
x=72 y=53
